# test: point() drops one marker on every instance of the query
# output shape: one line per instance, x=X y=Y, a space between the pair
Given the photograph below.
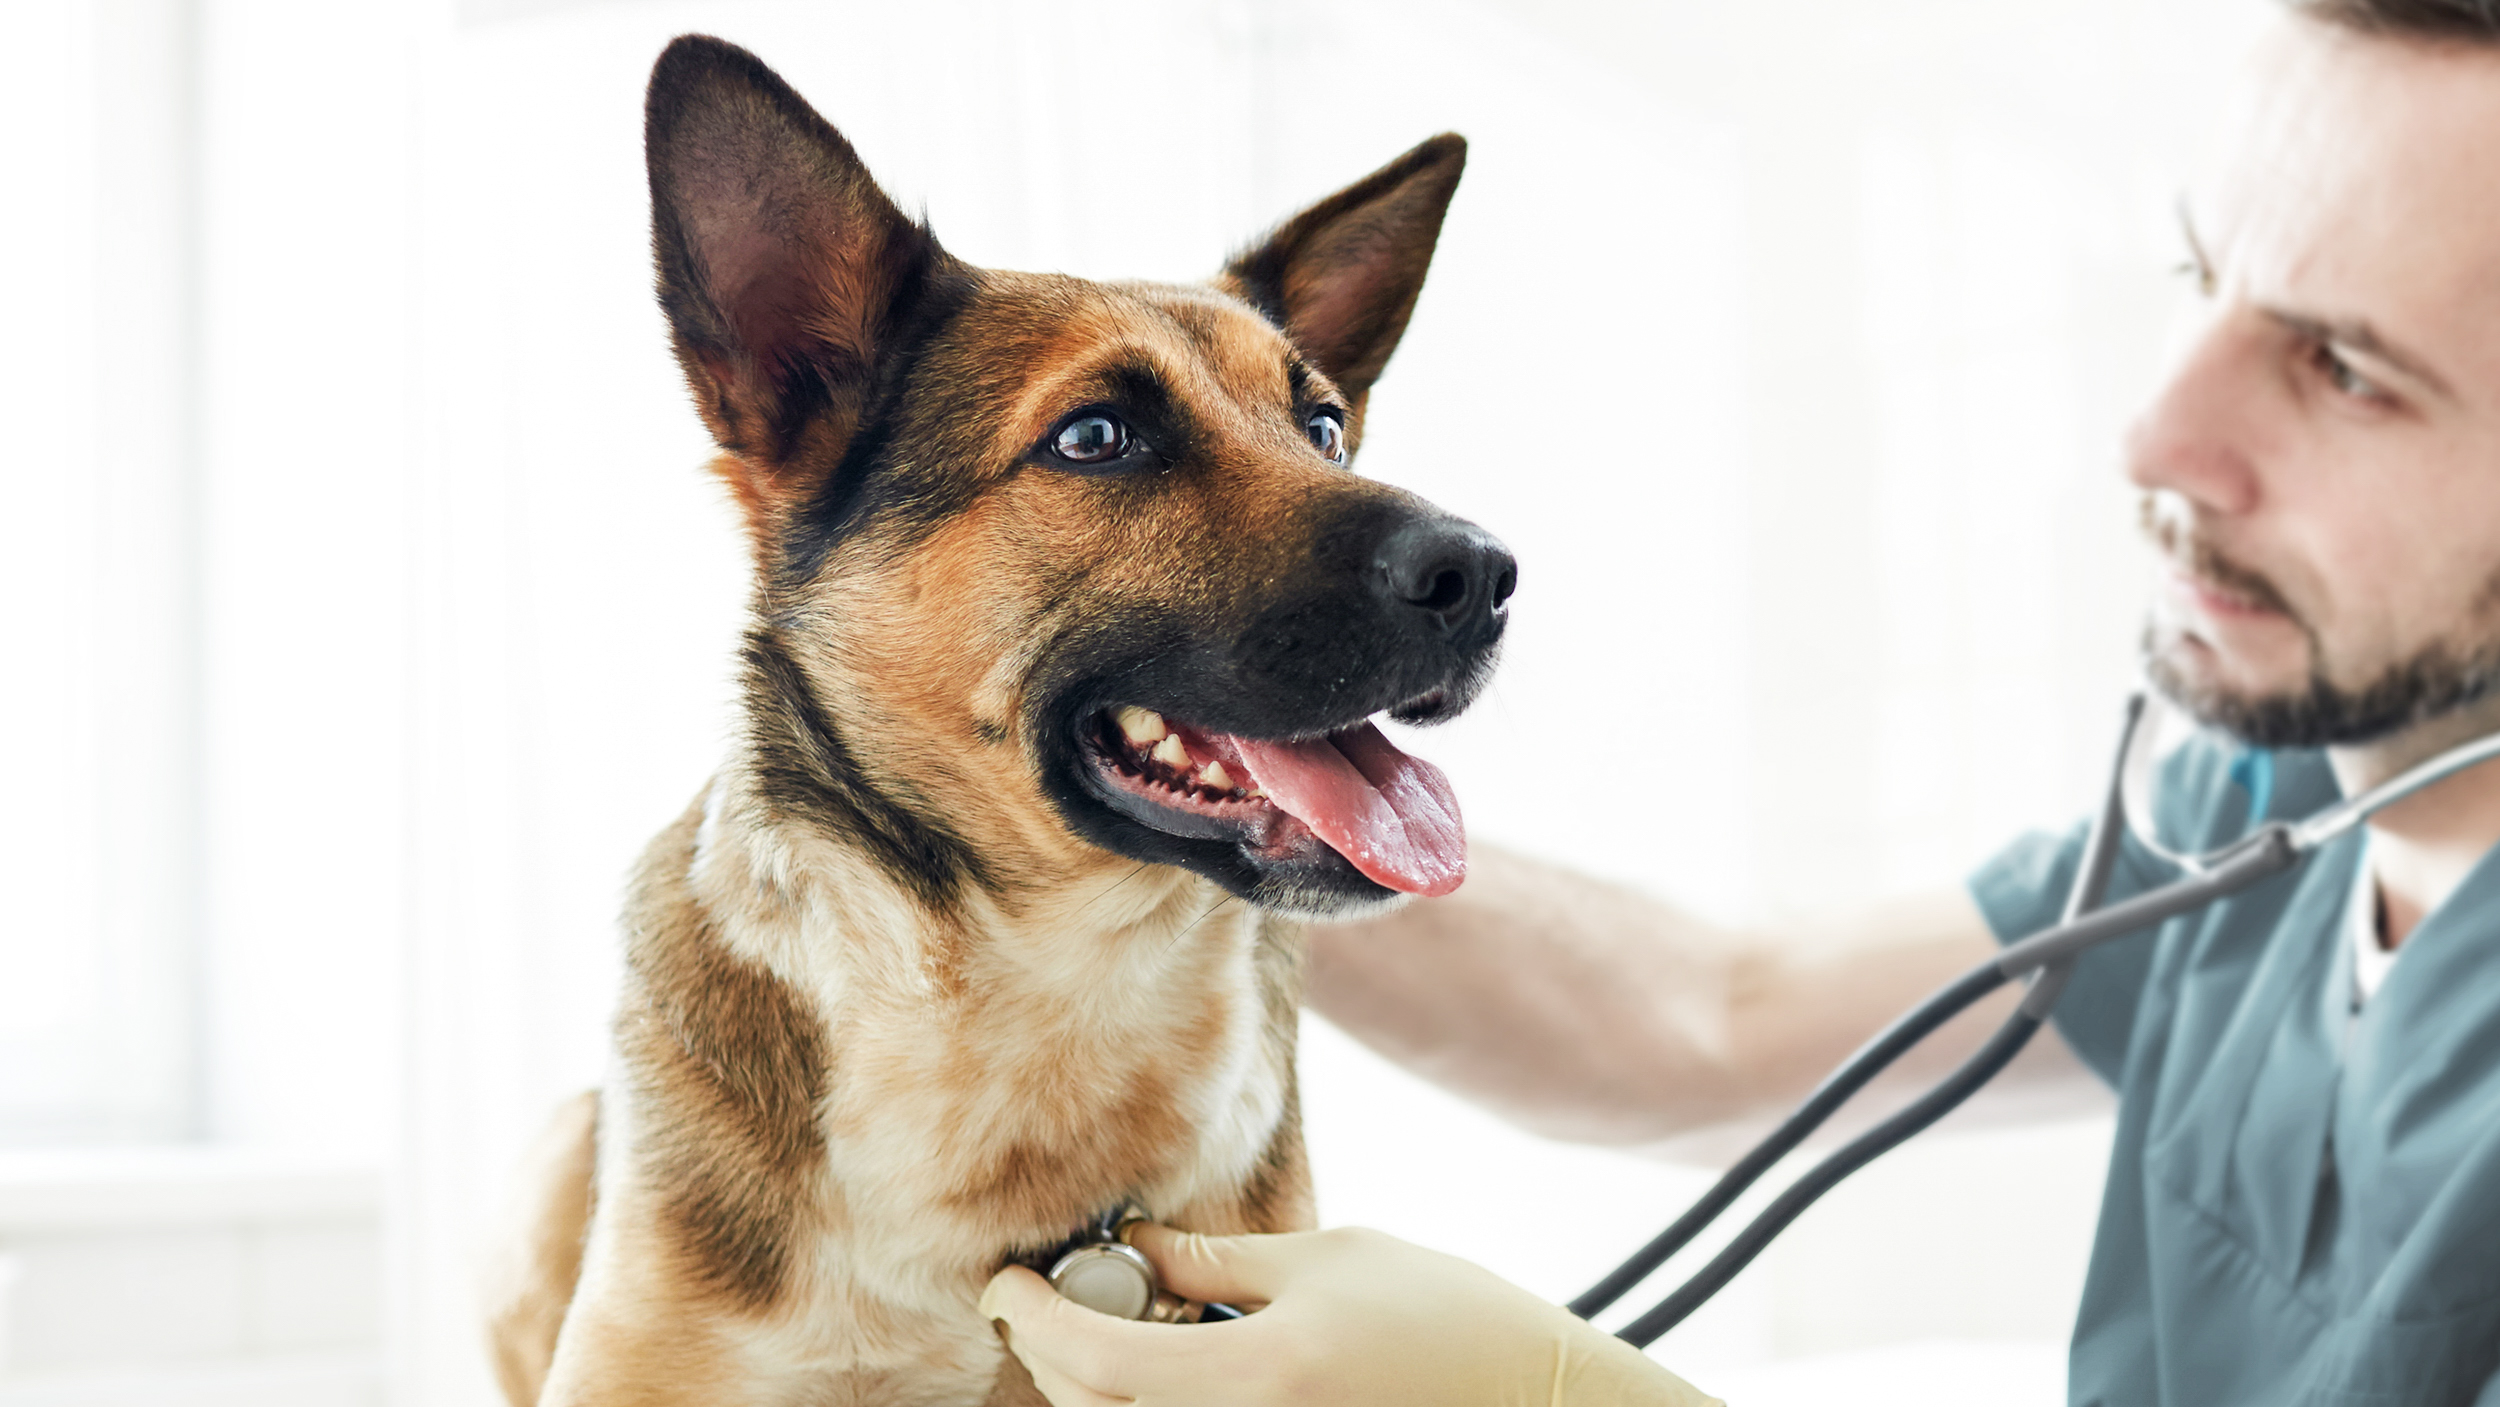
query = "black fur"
x=1317 y=654
x=806 y=772
x=865 y=486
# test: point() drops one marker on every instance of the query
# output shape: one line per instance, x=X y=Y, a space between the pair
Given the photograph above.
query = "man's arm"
x=1586 y=1011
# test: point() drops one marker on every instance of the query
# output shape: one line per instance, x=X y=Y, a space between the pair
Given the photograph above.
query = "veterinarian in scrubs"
x=2303 y=1204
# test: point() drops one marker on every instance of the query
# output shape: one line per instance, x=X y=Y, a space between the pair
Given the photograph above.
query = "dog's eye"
x=1093 y=438
x=1327 y=434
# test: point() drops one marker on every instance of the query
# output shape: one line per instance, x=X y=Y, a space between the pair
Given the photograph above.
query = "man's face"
x=2322 y=470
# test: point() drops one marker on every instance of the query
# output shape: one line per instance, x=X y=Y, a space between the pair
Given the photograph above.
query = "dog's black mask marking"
x=858 y=374
x=1338 y=649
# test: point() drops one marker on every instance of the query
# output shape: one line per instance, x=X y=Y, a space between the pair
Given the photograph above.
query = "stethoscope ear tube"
x=2047 y=958
x=1871 y=1060
x=1758 y=1234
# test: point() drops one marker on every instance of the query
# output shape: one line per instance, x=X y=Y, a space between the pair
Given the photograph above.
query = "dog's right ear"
x=782 y=268
x=1341 y=278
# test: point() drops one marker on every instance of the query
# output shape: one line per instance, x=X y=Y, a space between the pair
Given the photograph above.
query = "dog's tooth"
x=1215 y=776
x=1143 y=727
x=1256 y=793
x=1171 y=754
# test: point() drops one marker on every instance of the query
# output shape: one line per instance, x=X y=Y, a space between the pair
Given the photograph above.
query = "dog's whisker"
x=1169 y=948
x=1113 y=888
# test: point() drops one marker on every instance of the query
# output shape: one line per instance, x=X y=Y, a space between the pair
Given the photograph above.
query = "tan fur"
x=1085 y=1027
x=530 y=1283
x=887 y=1018
x=978 y=1107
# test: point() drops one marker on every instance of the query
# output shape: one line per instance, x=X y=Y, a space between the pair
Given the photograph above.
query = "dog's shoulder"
x=726 y=1065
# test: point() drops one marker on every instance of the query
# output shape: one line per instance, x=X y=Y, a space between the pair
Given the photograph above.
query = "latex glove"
x=1352 y=1317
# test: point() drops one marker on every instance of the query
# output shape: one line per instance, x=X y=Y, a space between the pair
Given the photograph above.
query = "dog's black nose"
x=1456 y=573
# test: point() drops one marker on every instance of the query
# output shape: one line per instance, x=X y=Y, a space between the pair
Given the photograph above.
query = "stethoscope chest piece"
x=1108 y=1277
x=1103 y=1272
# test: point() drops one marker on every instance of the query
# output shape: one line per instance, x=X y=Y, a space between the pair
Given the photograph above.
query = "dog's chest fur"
x=946 y=964
x=971 y=1085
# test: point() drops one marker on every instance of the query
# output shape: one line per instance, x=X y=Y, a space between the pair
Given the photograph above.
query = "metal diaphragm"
x=1107 y=1277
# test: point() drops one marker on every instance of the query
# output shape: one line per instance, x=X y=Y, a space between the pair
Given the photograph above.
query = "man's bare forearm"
x=1587 y=1011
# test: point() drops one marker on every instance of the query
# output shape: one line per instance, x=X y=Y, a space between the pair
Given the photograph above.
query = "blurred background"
x=364 y=609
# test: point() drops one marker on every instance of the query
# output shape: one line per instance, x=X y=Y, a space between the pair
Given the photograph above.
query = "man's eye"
x=1327 y=434
x=2340 y=375
x=1094 y=438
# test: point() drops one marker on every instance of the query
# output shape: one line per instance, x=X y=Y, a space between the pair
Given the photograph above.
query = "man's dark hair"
x=2475 y=21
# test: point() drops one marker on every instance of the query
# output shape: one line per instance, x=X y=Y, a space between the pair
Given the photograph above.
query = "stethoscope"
x=2046 y=959
x=1100 y=1270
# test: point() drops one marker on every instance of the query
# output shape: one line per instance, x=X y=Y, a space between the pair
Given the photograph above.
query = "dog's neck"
x=793 y=897
x=1046 y=1022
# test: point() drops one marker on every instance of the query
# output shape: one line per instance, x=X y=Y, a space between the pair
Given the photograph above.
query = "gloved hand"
x=1351 y=1317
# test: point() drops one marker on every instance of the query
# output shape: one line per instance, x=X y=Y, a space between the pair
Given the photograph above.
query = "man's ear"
x=782 y=268
x=1341 y=278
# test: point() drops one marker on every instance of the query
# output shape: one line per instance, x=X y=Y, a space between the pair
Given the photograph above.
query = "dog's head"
x=1049 y=568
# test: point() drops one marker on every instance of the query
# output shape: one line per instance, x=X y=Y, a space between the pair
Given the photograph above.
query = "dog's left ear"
x=782 y=267
x=1341 y=278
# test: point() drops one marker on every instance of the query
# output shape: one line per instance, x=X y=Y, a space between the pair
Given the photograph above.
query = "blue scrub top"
x=2303 y=1205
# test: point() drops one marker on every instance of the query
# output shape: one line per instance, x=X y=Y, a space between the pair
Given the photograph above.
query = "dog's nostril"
x=1452 y=572
x=1448 y=588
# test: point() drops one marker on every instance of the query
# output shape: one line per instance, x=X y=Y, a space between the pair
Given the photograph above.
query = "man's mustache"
x=2205 y=562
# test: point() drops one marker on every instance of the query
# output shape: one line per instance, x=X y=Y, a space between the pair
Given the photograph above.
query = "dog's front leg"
x=637 y=1336
x=1014 y=1388
x=611 y=1359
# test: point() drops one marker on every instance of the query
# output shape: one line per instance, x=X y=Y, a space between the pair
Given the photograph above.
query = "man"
x=2304 y=1198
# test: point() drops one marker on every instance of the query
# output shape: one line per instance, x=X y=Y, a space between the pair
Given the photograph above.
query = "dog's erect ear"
x=1341 y=277
x=782 y=268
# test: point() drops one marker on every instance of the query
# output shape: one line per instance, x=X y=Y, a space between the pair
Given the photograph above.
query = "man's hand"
x=1351 y=1317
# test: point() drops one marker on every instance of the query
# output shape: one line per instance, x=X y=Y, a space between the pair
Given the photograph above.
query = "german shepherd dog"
x=1068 y=623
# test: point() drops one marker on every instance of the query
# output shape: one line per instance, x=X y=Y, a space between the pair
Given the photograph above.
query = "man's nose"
x=2198 y=436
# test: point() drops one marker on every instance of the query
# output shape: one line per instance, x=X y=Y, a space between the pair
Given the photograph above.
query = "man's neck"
x=2423 y=847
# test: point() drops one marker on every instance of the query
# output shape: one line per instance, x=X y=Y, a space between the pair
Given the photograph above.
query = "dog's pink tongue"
x=1392 y=815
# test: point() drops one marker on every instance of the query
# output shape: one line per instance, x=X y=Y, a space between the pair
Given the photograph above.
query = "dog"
x=1069 y=620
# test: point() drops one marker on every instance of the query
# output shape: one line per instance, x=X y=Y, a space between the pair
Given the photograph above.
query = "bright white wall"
x=203 y=740
x=1788 y=345
x=98 y=648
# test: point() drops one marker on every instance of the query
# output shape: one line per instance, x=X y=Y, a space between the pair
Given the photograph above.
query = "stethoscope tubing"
x=1836 y=1090
x=1792 y=1202
x=2046 y=957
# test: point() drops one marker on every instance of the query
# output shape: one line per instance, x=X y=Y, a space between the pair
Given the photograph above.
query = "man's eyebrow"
x=2361 y=337
x=2200 y=264
x=2354 y=333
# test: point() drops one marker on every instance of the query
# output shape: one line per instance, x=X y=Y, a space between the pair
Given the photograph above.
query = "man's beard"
x=2439 y=679
x=2434 y=682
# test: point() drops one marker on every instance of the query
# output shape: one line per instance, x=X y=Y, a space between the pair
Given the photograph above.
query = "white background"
x=374 y=611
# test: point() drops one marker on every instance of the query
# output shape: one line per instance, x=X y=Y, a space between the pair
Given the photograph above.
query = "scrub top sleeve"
x=2490 y=1395
x=2023 y=890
